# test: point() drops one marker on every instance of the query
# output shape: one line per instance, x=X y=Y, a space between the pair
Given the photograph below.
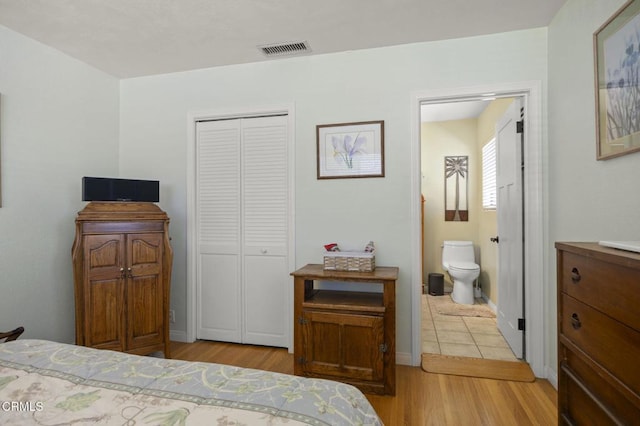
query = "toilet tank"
x=457 y=251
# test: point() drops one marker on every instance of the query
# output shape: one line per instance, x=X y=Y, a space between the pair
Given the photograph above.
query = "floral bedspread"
x=48 y=383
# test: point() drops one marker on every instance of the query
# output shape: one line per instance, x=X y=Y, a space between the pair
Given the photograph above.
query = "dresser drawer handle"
x=575 y=321
x=575 y=275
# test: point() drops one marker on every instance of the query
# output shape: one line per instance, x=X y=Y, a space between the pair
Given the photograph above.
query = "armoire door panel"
x=144 y=254
x=145 y=249
x=104 y=320
x=144 y=289
x=145 y=314
x=104 y=256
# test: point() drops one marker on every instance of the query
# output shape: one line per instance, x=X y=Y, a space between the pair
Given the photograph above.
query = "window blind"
x=489 y=201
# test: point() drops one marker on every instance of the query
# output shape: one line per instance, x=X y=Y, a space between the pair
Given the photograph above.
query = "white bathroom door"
x=509 y=166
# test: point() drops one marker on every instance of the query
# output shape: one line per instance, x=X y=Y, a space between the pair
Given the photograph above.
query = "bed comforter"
x=48 y=383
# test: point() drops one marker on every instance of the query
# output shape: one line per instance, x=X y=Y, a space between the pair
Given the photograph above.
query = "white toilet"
x=458 y=259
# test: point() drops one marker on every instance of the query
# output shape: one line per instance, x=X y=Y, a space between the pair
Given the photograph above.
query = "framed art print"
x=350 y=150
x=617 y=71
x=456 y=192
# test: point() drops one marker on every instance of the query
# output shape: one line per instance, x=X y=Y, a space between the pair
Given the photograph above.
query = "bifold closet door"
x=218 y=233
x=265 y=230
x=242 y=205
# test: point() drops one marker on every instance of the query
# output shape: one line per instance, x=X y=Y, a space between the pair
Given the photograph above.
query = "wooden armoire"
x=122 y=270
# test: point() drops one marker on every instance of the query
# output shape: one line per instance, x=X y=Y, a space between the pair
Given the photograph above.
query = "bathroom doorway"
x=466 y=130
x=530 y=93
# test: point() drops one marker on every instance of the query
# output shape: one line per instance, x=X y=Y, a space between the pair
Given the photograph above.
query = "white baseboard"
x=178 y=336
x=403 y=358
x=491 y=305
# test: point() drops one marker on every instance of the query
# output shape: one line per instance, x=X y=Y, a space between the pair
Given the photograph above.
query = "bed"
x=49 y=383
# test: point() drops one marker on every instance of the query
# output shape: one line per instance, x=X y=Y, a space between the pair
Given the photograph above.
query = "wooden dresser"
x=122 y=270
x=347 y=336
x=598 y=335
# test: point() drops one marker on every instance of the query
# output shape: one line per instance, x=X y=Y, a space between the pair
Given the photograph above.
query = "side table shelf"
x=346 y=335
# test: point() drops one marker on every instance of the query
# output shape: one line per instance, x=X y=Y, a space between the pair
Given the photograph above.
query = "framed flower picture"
x=350 y=150
x=617 y=66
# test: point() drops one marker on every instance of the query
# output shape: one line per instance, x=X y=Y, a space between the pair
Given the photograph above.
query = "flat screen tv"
x=114 y=189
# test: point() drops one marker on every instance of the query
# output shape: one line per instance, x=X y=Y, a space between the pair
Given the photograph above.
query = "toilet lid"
x=469 y=266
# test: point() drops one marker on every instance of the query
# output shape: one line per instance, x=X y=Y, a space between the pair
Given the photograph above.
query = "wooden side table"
x=346 y=335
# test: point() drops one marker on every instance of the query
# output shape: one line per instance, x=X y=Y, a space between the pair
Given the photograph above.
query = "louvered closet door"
x=264 y=234
x=243 y=230
x=218 y=233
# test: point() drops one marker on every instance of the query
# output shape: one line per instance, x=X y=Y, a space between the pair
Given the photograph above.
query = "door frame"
x=228 y=114
x=535 y=233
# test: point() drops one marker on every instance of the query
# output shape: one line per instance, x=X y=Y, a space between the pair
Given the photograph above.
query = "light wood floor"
x=421 y=398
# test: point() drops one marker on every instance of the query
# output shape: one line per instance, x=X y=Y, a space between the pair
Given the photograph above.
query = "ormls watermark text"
x=21 y=406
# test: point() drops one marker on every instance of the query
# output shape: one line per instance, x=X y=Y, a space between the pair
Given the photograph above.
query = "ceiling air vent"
x=285 y=49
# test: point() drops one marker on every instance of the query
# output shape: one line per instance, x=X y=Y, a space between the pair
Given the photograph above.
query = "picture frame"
x=350 y=150
x=456 y=188
x=617 y=83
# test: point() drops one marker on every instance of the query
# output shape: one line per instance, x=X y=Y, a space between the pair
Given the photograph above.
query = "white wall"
x=58 y=122
x=589 y=200
x=373 y=84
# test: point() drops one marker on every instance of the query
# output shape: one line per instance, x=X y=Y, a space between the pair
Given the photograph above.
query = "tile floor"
x=476 y=337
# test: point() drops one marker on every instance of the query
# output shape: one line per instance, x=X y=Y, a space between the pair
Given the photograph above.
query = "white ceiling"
x=130 y=38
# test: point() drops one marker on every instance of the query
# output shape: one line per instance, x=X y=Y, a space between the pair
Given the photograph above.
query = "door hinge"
x=520 y=126
x=302 y=321
x=521 y=324
x=383 y=347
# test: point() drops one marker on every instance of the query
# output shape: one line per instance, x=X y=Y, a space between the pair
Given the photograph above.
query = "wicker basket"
x=349 y=261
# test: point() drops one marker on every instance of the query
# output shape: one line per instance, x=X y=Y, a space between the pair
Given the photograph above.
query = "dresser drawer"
x=614 y=401
x=610 y=288
x=578 y=406
x=611 y=344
